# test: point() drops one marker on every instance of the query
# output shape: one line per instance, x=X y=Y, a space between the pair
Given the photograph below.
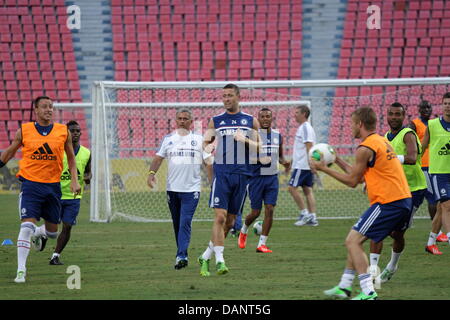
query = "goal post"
x=130 y=119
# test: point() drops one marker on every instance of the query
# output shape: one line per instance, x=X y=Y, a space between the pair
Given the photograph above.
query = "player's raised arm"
x=343 y=164
x=210 y=135
x=411 y=148
x=9 y=153
x=68 y=148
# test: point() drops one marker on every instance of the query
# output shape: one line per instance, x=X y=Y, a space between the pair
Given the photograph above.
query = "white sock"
x=40 y=231
x=244 y=228
x=262 y=240
x=432 y=239
x=303 y=212
x=392 y=265
x=374 y=257
x=24 y=244
x=218 y=250
x=55 y=255
x=448 y=236
x=366 y=283
x=209 y=251
x=347 y=279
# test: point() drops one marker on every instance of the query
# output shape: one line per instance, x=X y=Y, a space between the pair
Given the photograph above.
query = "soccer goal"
x=130 y=119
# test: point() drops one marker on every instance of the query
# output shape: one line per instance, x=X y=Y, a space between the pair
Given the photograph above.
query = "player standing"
x=388 y=192
x=184 y=153
x=235 y=138
x=70 y=206
x=43 y=144
x=302 y=176
x=420 y=126
x=408 y=148
x=437 y=138
x=263 y=185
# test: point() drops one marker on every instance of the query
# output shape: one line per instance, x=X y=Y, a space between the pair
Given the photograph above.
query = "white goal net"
x=130 y=119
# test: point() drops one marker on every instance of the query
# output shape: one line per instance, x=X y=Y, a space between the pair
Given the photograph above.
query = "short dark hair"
x=304 y=109
x=232 y=86
x=36 y=101
x=184 y=110
x=398 y=105
x=424 y=104
x=367 y=116
x=446 y=96
x=72 y=123
x=265 y=109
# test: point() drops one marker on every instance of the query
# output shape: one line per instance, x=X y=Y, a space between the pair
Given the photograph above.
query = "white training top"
x=305 y=133
x=185 y=157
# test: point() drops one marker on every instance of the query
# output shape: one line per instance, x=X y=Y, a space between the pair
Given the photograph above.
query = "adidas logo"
x=222 y=123
x=43 y=153
x=445 y=150
x=67 y=176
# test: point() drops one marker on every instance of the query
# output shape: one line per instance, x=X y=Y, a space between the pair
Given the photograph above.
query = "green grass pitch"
x=124 y=260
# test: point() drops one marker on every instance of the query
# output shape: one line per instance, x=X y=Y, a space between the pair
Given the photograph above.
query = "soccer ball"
x=257 y=227
x=323 y=151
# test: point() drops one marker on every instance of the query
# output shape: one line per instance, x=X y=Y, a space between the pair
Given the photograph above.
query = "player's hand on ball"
x=317 y=165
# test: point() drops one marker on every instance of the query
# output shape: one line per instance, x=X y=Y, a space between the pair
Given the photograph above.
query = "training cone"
x=7 y=242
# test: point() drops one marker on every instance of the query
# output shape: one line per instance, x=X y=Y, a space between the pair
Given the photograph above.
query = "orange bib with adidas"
x=385 y=179
x=42 y=159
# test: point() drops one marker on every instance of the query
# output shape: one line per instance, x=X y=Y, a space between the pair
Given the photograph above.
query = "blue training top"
x=232 y=156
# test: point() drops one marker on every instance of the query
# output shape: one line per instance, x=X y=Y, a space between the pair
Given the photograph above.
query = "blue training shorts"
x=70 y=210
x=40 y=200
x=441 y=186
x=263 y=188
x=228 y=191
x=381 y=219
x=429 y=195
x=301 y=177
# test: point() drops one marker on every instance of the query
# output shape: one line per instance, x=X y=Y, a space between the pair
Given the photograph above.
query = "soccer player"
x=437 y=138
x=420 y=125
x=235 y=140
x=184 y=153
x=71 y=206
x=388 y=193
x=263 y=185
x=43 y=144
x=302 y=176
x=408 y=148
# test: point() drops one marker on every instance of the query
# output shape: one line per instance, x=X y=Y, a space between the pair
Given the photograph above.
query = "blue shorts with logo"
x=228 y=191
x=70 y=210
x=429 y=195
x=263 y=188
x=381 y=219
x=301 y=177
x=40 y=200
x=441 y=186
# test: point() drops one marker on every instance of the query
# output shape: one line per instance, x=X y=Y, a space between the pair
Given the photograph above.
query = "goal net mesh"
x=130 y=121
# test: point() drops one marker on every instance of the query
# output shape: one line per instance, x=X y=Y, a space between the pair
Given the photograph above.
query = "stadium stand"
x=414 y=41
x=36 y=58
x=226 y=40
